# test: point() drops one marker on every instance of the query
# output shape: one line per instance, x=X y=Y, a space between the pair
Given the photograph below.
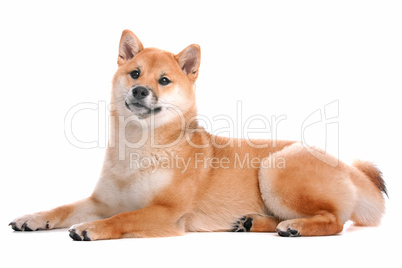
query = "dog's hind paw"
x=287 y=229
x=244 y=224
x=288 y=233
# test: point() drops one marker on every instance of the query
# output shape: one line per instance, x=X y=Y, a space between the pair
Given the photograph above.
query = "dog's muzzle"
x=142 y=102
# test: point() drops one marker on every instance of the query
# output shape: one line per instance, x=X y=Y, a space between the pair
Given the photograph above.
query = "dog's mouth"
x=141 y=110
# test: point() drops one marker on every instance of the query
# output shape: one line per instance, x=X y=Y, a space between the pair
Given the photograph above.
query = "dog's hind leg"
x=309 y=195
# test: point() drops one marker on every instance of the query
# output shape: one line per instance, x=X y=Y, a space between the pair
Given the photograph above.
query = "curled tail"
x=374 y=174
x=370 y=184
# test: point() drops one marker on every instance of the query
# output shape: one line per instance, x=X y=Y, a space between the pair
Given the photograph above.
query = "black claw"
x=284 y=234
x=47 y=225
x=84 y=234
x=293 y=232
x=289 y=232
x=240 y=230
x=25 y=227
x=14 y=227
x=74 y=235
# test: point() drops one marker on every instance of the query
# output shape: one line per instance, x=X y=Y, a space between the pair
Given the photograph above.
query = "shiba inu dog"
x=164 y=175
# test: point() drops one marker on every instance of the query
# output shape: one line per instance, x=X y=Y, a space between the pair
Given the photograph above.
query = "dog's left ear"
x=189 y=61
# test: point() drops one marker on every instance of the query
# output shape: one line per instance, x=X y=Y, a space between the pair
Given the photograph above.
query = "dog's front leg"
x=88 y=209
x=151 y=221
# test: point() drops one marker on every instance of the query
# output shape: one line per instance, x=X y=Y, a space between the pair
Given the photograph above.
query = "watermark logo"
x=326 y=119
x=321 y=128
x=101 y=111
x=202 y=161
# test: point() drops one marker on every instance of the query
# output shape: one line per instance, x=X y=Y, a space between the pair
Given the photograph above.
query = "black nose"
x=140 y=93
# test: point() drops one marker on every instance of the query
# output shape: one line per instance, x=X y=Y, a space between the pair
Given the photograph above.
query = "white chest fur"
x=133 y=192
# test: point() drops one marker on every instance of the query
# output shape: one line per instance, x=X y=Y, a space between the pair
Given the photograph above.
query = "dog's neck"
x=140 y=136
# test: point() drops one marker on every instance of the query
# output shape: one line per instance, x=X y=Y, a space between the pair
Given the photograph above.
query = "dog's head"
x=151 y=81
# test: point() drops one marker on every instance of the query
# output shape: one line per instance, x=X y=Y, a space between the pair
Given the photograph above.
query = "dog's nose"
x=140 y=93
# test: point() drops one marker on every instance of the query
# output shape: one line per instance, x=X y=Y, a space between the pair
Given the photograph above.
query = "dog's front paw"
x=32 y=222
x=88 y=231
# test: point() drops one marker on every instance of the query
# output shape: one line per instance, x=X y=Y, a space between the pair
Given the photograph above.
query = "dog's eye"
x=135 y=74
x=164 y=81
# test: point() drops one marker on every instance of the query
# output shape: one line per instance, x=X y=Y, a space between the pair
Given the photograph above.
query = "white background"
x=278 y=58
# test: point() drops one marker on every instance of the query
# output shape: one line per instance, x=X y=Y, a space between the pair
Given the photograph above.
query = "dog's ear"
x=130 y=45
x=189 y=61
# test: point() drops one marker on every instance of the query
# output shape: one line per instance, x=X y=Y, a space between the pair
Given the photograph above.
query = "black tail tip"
x=372 y=171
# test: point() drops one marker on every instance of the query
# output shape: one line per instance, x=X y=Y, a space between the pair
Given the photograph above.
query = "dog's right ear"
x=129 y=46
